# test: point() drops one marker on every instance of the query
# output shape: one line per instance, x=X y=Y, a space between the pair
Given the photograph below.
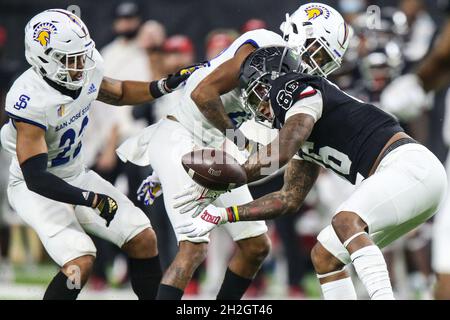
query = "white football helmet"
x=320 y=35
x=57 y=42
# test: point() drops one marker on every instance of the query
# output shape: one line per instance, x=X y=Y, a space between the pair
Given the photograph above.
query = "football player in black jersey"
x=320 y=125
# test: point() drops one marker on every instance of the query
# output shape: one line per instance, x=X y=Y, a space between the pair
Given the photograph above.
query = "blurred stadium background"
x=145 y=40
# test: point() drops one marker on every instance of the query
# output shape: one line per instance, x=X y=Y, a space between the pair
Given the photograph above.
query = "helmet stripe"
x=345 y=36
x=74 y=18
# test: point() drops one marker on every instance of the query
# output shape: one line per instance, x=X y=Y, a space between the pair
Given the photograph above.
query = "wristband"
x=157 y=88
x=233 y=214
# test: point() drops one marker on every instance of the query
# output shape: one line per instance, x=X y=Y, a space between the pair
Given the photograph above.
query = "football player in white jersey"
x=210 y=104
x=49 y=187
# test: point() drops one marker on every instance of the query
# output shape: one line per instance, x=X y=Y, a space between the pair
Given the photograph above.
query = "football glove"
x=149 y=189
x=210 y=218
x=107 y=207
x=173 y=81
x=195 y=197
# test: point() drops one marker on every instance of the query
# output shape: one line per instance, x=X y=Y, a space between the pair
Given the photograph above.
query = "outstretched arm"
x=118 y=93
x=289 y=140
x=299 y=177
x=222 y=80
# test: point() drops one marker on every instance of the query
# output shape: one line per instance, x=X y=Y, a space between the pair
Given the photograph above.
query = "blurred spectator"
x=422 y=28
x=253 y=24
x=378 y=68
x=123 y=59
x=218 y=40
x=7 y=71
x=151 y=36
x=178 y=52
x=352 y=9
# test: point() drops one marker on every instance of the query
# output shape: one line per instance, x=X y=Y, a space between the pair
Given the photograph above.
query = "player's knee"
x=256 y=249
x=79 y=268
x=346 y=224
x=323 y=261
x=192 y=253
x=143 y=245
x=442 y=289
x=316 y=257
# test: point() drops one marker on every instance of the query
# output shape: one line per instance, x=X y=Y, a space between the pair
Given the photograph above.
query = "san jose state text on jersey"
x=74 y=118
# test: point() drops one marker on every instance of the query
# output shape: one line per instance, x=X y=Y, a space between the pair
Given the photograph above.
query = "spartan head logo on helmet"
x=315 y=11
x=43 y=32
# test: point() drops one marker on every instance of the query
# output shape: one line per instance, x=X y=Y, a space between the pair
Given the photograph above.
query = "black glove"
x=172 y=82
x=107 y=207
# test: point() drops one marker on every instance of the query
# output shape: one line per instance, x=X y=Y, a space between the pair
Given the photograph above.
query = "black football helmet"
x=261 y=66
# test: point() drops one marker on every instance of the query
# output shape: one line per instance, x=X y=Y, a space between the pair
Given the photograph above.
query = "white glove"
x=150 y=189
x=195 y=197
x=404 y=97
x=210 y=218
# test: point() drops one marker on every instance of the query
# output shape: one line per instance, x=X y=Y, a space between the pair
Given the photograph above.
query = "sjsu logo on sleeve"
x=23 y=102
x=43 y=32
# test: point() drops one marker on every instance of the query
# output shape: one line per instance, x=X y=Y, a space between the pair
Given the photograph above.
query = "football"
x=214 y=169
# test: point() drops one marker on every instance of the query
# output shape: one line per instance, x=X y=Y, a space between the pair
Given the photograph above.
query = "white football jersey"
x=31 y=99
x=187 y=112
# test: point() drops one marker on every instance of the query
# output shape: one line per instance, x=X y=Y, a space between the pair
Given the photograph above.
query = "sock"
x=233 y=286
x=372 y=271
x=341 y=289
x=60 y=289
x=145 y=276
x=166 y=292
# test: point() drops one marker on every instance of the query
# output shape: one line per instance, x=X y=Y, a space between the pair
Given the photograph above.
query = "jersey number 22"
x=63 y=157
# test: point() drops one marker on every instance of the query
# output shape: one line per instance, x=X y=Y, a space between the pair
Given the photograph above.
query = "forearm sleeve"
x=39 y=180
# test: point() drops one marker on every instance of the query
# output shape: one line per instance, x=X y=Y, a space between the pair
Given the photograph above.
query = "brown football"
x=214 y=169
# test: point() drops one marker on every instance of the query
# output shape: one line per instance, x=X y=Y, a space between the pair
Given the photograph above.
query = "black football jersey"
x=349 y=135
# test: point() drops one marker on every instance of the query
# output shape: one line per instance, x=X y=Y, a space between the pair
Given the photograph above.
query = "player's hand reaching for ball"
x=210 y=218
x=195 y=197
